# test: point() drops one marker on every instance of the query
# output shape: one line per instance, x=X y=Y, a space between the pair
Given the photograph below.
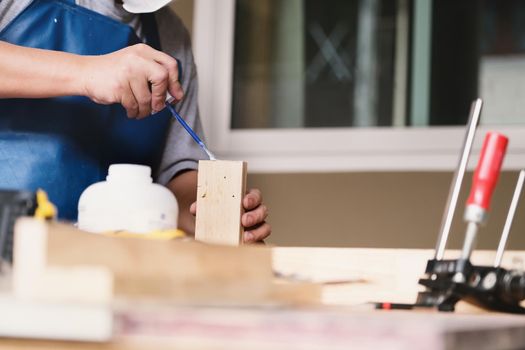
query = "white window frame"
x=316 y=149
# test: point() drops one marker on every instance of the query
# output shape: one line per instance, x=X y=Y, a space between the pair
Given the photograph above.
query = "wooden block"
x=34 y=279
x=179 y=271
x=220 y=189
x=51 y=255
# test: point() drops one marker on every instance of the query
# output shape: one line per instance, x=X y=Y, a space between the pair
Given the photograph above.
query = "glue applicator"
x=187 y=127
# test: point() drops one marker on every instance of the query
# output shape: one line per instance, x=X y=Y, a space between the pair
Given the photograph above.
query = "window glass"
x=353 y=63
x=502 y=61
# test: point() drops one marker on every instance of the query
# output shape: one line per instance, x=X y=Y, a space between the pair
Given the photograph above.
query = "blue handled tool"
x=190 y=130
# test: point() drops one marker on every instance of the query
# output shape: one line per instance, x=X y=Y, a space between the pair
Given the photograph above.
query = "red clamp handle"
x=487 y=170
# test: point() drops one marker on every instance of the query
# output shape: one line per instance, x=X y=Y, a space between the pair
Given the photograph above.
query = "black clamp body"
x=492 y=288
x=13 y=204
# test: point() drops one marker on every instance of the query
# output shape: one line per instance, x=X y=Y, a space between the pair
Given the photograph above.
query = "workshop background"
x=392 y=208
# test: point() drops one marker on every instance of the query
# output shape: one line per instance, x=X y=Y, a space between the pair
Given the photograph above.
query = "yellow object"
x=162 y=235
x=47 y=210
x=44 y=208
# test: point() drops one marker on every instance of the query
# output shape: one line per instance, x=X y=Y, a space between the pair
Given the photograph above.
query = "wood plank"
x=33 y=278
x=165 y=325
x=184 y=272
x=220 y=189
x=61 y=320
x=354 y=276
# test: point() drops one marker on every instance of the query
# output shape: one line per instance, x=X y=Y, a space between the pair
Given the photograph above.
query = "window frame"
x=316 y=149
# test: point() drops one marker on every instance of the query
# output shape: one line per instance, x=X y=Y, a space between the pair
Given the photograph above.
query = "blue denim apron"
x=63 y=145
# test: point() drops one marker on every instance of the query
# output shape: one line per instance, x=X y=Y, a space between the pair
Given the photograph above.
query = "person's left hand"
x=256 y=229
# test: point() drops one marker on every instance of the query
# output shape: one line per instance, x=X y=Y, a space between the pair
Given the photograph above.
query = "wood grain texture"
x=353 y=276
x=185 y=272
x=165 y=325
x=189 y=272
x=220 y=189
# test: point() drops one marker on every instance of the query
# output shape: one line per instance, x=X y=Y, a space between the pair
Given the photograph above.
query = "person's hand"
x=137 y=77
x=256 y=229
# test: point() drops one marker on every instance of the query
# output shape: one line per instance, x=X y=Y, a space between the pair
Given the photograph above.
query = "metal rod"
x=457 y=180
x=470 y=240
x=510 y=218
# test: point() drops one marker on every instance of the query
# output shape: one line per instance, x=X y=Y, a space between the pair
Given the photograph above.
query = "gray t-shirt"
x=181 y=152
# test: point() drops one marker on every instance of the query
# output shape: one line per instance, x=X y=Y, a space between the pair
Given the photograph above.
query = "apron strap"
x=149 y=25
x=151 y=32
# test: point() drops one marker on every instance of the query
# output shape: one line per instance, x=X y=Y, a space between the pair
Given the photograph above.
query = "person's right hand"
x=137 y=77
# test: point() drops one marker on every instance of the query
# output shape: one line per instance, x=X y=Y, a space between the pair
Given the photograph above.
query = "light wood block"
x=56 y=261
x=221 y=187
x=34 y=279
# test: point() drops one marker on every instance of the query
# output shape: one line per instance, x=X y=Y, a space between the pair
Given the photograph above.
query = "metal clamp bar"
x=457 y=180
x=510 y=219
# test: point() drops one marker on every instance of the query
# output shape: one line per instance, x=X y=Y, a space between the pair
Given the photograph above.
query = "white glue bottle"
x=127 y=201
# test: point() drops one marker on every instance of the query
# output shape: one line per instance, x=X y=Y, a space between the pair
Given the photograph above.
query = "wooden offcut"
x=220 y=190
x=56 y=261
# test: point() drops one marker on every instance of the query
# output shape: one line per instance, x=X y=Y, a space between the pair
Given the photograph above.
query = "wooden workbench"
x=352 y=276
x=309 y=329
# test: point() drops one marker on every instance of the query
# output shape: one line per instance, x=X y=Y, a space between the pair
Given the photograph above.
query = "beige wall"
x=184 y=9
x=376 y=209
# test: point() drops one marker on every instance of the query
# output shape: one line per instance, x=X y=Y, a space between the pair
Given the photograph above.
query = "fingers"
x=254 y=220
x=138 y=77
x=171 y=65
x=159 y=78
x=175 y=90
x=255 y=216
x=140 y=89
x=252 y=199
x=129 y=102
x=193 y=208
x=159 y=86
x=257 y=234
x=150 y=74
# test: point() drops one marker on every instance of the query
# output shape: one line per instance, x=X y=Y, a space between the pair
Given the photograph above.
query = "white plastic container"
x=128 y=200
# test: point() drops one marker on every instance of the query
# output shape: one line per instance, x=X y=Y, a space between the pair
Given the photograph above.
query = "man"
x=64 y=67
